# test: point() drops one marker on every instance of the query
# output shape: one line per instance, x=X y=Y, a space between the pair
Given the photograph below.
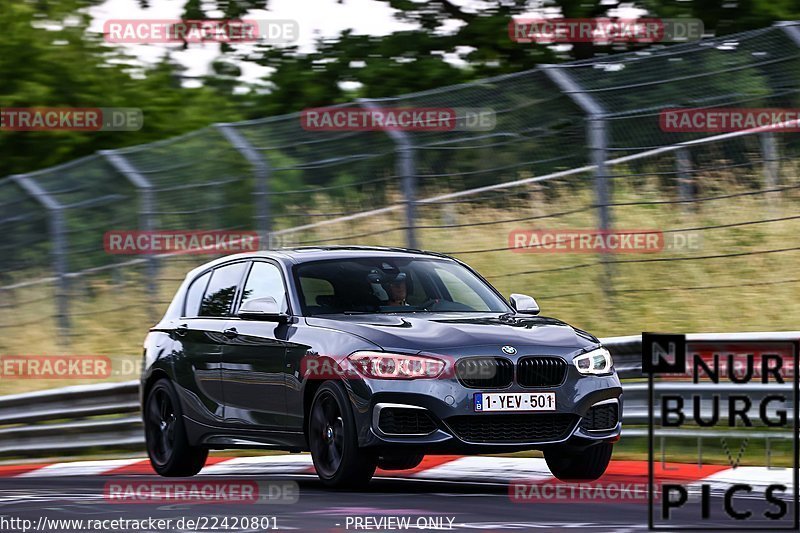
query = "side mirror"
x=262 y=309
x=522 y=303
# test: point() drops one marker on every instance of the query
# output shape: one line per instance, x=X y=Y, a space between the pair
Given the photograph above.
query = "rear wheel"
x=333 y=440
x=167 y=446
x=579 y=465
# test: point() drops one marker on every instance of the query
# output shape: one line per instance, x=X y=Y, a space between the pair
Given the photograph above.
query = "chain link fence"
x=575 y=146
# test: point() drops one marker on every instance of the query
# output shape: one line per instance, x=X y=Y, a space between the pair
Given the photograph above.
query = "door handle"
x=182 y=330
x=231 y=333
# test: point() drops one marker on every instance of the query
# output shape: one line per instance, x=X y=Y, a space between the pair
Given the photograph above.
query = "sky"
x=316 y=18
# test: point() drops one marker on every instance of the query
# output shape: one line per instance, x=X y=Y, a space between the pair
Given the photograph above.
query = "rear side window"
x=265 y=280
x=195 y=294
x=221 y=291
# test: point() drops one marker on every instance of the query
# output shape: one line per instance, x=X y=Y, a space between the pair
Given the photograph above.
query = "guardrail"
x=77 y=418
x=106 y=416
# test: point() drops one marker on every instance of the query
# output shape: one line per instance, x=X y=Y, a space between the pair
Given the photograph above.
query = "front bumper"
x=446 y=401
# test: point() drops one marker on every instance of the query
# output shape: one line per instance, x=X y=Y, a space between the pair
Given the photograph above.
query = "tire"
x=333 y=440
x=587 y=464
x=169 y=450
x=399 y=462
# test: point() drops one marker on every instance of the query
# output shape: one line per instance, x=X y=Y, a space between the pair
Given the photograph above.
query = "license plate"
x=515 y=401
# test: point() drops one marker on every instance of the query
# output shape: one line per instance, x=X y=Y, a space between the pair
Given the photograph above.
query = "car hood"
x=438 y=332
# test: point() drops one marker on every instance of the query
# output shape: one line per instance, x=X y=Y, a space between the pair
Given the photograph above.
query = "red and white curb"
x=434 y=467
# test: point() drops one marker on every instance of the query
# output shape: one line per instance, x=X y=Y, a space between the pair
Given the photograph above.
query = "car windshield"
x=393 y=285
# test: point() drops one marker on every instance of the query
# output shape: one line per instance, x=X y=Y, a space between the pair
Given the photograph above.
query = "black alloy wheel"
x=167 y=445
x=333 y=440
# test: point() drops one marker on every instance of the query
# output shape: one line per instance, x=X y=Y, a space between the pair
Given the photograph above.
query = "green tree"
x=418 y=59
x=49 y=59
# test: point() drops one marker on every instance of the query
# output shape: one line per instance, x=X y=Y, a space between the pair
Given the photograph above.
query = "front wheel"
x=587 y=464
x=333 y=440
x=167 y=446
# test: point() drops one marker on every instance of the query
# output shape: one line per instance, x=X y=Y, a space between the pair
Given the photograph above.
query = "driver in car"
x=390 y=289
x=398 y=290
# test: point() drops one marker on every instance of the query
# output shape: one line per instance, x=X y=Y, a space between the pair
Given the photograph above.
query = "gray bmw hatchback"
x=370 y=357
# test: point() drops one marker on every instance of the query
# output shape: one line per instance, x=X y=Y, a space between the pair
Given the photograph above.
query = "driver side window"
x=265 y=280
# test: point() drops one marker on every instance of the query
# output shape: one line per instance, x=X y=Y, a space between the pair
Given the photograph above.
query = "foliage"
x=49 y=59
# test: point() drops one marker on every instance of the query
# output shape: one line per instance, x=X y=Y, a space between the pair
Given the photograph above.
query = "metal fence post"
x=146 y=212
x=598 y=136
x=261 y=174
x=598 y=144
x=769 y=152
x=57 y=229
x=406 y=168
x=683 y=169
x=768 y=146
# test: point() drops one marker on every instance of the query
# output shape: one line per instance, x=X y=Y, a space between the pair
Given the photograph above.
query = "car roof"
x=314 y=253
x=305 y=254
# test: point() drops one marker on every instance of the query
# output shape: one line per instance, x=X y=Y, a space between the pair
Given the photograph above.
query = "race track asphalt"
x=458 y=506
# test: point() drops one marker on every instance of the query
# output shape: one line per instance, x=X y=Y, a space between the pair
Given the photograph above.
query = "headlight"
x=595 y=362
x=381 y=365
